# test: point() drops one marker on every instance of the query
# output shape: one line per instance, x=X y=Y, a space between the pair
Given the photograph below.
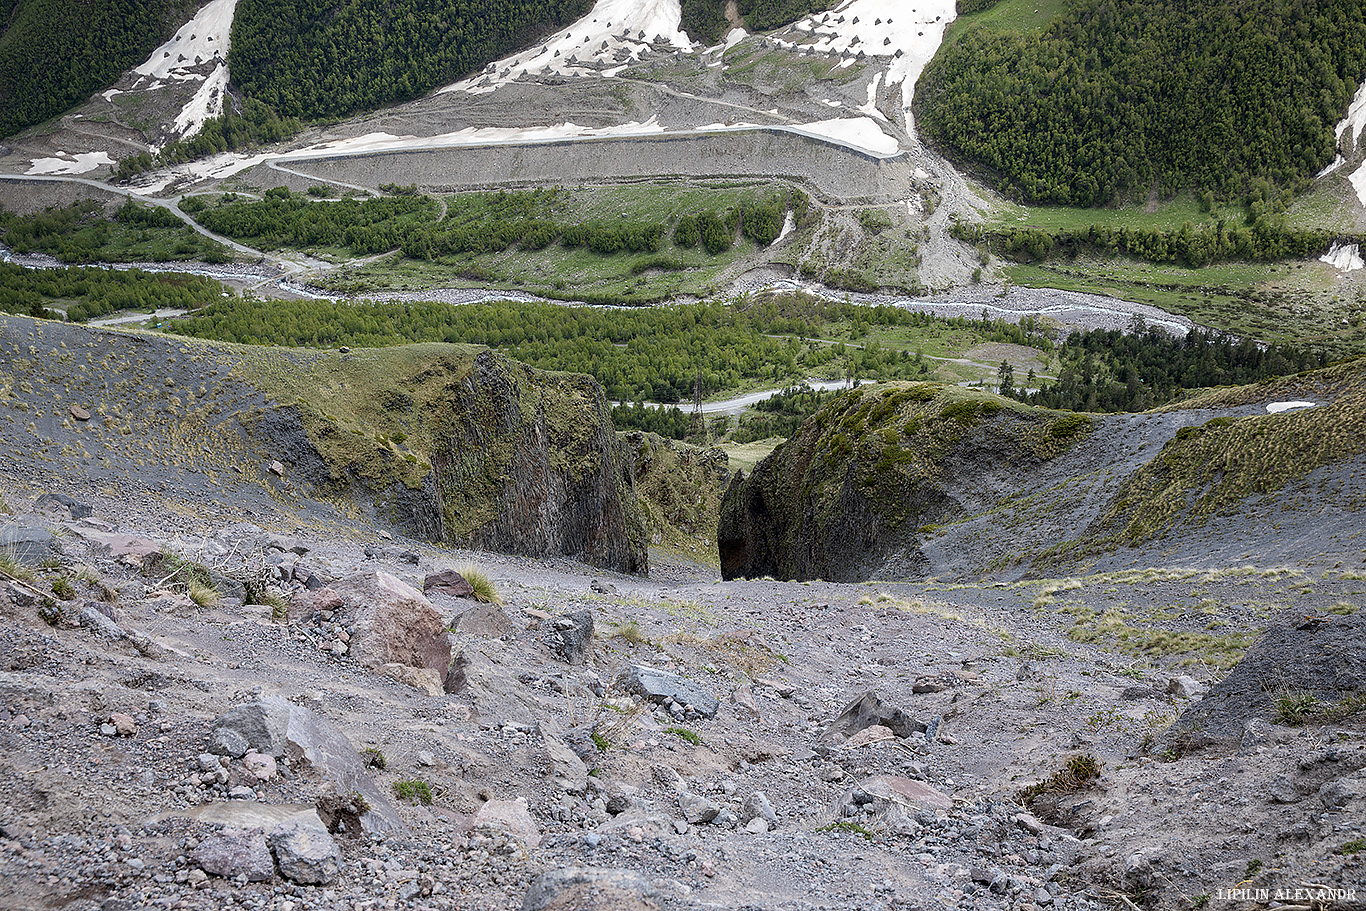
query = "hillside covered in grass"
x=912 y=481
x=1117 y=99
x=848 y=497
x=54 y=53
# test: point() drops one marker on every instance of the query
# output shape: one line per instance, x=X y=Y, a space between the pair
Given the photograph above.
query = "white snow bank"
x=472 y=136
x=1344 y=257
x=613 y=32
x=1355 y=121
x=871 y=107
x=908 y=32
x=1358 y=181
x=735 y=37
x=861 y=133
x=70 y=164
x=207 y=102
x=1278 y=407
x=789 y=224
x=203 y=38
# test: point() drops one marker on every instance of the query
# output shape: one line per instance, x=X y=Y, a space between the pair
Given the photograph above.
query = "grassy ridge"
x=1210 y=469
x=863 y=477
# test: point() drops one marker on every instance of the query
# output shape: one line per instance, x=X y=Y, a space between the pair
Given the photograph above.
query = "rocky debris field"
x=280 y=717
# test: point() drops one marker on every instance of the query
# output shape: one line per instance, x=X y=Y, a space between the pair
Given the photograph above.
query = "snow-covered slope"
x=615 y=32
x=908 y=32
x=203 y=39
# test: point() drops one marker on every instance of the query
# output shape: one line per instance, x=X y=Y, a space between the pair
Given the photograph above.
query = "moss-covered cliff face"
x=459 y=445
x=851 y=495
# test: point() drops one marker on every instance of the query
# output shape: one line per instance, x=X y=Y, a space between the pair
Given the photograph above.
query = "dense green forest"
x=766 y=15
x=1115 y=371
x=55 y=53
x=476 y=223
x=651 y=353
x=665 y=420
x=82 y=233
x=1120 y=98
x=85 y=293
x=704 y=21
x=327 y=58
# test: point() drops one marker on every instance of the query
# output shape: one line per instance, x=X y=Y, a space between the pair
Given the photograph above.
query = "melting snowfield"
x=203 y=39
x=908 y=32
x=615 y=32
x=69 y=164
x=860 y=133
x=1344 y=257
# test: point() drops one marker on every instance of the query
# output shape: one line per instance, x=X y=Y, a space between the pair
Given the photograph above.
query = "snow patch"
x=1358 y=181
x=109 y=95
x=613 y=33
x=473 y=136
x=207 y=102
x=1338 y=161
x=1278 y=407
x=1344 y=257
x=735 y=37
x=1355 y=121
x=789 y=224
x=861 y=133
x=880 y=28
x=203 y=38
x=871 y=107
x=69 y=164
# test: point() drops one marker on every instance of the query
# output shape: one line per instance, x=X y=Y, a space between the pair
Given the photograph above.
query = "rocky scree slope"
x=751 y=744
x=446 y=443
x=919 y=482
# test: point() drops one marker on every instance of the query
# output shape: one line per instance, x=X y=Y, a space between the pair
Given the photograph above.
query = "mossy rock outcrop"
x=851 y=494
x=459 y=445
x=452 y=444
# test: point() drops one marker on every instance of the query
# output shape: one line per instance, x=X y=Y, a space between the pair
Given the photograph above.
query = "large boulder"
x=1296 y=659
x=276 y=727
x=665 y=686
x=394 y=624
x=307 y=855
x=862 y=713
x=236 y=852
x=27 y=544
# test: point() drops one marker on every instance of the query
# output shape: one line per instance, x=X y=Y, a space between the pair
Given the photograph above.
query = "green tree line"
x=1112 y=371
x=640 y=354
x=1117 y=99
x=474 y=223
x=82 y=233
x=89 y=292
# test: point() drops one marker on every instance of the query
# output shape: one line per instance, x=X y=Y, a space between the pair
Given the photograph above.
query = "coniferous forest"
x=55 y=53
x=327 y=58
x=1118 y=99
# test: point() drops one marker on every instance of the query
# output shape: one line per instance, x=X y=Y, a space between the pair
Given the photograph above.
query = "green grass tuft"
x=414 y=791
